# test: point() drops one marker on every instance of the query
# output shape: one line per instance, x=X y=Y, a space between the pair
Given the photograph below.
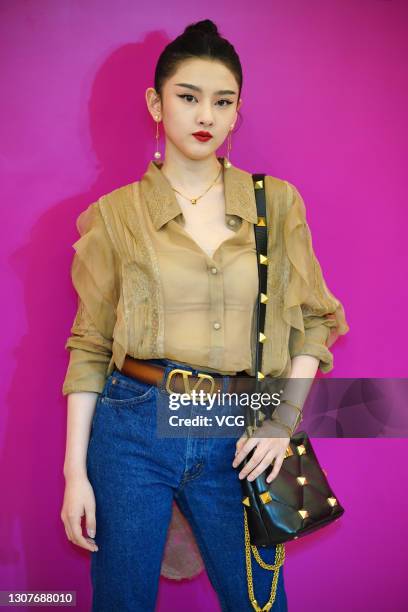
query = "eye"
x=186 y=96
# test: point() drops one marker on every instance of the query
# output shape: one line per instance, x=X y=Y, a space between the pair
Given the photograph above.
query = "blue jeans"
x=136 y=475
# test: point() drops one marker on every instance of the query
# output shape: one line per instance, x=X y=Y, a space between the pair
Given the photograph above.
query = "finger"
x=90 y=522
x=248 y=446
x=240 y=442
x=253 y=462
x=68 y=533
x=78 y=538
x=262 y=466
x=67 y=526
x=276 y=467
x=241 y=446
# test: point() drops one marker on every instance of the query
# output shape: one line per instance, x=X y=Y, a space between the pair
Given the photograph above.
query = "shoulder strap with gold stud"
x=261 y=240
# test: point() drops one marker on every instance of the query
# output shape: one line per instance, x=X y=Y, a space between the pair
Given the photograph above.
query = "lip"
x=202 y=136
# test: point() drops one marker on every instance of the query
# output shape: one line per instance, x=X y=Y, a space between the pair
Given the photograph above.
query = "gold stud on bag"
x=299 y=500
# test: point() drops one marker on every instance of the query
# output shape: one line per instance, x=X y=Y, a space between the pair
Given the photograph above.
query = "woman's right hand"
x=79 y=501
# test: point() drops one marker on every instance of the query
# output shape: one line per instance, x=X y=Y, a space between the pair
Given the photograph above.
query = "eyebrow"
x=221 y=92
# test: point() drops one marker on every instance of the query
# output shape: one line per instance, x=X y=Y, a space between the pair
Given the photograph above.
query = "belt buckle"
x=186 y=374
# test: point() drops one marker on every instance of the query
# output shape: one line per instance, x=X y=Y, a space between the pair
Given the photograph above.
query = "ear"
x=153 y=102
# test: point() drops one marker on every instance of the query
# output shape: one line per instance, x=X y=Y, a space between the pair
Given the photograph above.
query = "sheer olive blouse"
x=148 y=288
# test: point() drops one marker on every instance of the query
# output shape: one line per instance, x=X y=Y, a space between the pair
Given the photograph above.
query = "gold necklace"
x=195 y=200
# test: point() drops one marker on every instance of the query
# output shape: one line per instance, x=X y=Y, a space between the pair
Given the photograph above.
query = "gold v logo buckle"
x=186 y=374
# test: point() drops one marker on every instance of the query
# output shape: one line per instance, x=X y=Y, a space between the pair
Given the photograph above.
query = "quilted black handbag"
x=299 y=500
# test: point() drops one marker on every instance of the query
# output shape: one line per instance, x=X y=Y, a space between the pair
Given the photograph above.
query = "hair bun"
x=206 y=26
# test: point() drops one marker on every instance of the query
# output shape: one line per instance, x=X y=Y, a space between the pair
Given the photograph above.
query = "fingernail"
x=91 y=533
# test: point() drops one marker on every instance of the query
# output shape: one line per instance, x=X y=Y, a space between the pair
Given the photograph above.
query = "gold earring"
x=157 y=154
x=227 y=163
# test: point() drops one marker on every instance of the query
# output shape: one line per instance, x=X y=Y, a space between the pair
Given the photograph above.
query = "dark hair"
x=201 y=40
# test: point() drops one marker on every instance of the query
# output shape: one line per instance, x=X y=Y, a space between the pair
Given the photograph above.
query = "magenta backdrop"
x=324 y=106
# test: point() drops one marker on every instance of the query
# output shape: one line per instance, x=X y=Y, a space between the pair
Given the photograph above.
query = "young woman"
x=166 y=275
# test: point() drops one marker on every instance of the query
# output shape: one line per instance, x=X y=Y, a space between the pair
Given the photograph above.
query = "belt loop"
x=225 y=383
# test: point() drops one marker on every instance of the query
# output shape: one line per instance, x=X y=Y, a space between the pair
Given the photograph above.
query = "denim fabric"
x=136 y=475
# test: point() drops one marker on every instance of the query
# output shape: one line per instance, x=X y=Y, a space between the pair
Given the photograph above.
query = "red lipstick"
x=202 y=136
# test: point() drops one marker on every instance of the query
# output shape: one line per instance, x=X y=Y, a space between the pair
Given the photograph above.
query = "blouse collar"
x=163 y=205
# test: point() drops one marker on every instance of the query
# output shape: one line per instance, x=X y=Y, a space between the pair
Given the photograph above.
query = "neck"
x=190 y=174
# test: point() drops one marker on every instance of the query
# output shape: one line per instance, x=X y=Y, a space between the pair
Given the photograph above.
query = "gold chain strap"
x=279 y=560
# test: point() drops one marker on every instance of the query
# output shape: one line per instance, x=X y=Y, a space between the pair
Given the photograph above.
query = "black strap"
x=261 y=240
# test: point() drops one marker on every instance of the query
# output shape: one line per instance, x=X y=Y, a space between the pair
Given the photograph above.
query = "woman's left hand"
x=268 y=449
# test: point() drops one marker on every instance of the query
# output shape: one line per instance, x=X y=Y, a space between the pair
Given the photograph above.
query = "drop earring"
x=157 y=154
x=227 y=163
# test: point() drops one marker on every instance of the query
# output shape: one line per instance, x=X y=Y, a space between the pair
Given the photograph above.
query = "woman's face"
x=201 y=96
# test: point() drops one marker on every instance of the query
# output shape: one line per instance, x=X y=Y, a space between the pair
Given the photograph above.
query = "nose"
x=205 y=115
x=205 y=123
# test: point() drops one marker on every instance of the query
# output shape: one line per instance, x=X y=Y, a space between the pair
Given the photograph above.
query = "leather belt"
x=181 y=380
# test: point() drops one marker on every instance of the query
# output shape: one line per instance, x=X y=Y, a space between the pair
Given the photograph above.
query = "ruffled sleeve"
x=94 y=273
x=316 y=316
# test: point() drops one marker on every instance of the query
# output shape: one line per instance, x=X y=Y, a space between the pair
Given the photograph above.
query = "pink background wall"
x=325 y=98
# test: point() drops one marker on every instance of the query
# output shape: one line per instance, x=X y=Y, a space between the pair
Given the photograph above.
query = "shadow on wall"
x=32 y=536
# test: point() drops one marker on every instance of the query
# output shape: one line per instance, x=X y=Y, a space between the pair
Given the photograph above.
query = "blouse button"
x=214 y=270
x=217 y=325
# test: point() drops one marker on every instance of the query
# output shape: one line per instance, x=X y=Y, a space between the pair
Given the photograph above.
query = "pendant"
x=194 y=201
